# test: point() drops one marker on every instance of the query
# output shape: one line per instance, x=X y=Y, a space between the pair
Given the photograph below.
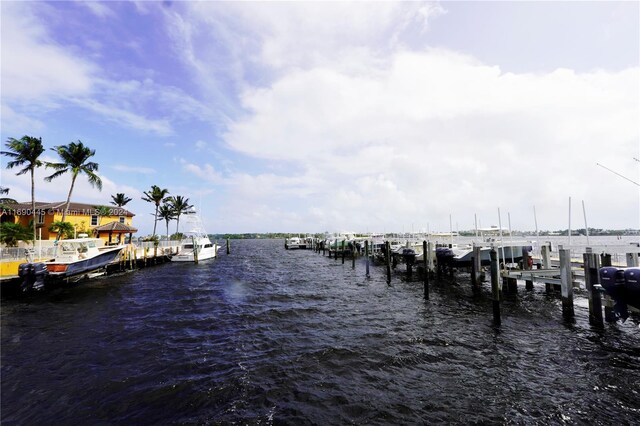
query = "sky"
x=333 y=116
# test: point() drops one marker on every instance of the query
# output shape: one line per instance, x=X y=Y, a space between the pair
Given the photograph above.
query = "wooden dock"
x=560 y=274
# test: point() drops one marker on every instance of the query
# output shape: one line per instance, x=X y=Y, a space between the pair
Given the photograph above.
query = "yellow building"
x=85 y=218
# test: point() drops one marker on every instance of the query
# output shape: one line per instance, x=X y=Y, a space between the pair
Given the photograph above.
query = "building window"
x=94 y=220
x=121 y=219
x=41 y=217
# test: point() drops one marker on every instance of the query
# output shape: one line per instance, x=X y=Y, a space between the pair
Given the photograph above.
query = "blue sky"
x=311 y=117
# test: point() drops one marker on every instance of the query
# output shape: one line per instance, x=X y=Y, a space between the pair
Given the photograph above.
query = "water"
x=266 y=336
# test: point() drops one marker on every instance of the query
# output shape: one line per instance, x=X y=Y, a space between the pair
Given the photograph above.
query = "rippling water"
x=270 y=336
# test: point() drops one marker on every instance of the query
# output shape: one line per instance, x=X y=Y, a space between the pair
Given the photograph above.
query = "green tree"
x=120 y=200
x=156 y=196
x=102 y=211
x=64 y=229
x=75 y=159
x=25 y=152
x=180 y=205
x=166 y=212
x=11 y=233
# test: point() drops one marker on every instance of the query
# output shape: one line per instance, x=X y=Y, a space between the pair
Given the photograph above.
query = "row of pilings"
x=561 y=278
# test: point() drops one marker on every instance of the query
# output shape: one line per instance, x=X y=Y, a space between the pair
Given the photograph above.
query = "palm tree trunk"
x=33 y=204
x=155 y=220
x=66 y=206
x=177 y=223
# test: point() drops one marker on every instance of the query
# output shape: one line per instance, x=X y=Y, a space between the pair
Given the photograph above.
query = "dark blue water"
x=268 y=336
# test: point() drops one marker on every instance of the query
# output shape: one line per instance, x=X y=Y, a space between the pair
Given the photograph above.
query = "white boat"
x=75 y=259
x=195 y=245
x=294 y=243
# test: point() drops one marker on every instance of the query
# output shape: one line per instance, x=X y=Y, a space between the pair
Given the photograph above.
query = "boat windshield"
x=188 y=246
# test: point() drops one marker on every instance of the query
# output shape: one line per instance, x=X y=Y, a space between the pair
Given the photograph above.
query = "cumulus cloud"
x=398 y=134
x=33 y=67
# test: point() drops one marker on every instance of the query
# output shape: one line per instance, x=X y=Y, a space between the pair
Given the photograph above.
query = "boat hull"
x=461 y=258
x=38 y=275
x=203 y=254
x=83 y=266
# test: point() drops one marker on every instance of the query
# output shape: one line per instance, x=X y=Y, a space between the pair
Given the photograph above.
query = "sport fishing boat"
x=195 y=245
x=74 y=259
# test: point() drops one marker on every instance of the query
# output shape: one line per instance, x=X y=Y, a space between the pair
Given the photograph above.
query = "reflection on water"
x=269 y=336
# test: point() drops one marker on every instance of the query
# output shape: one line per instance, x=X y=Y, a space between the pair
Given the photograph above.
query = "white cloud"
x=33 y=67
x=207 y=172
x=99 y=9
x=437 y=132
x=40 y=75
x=133 y=169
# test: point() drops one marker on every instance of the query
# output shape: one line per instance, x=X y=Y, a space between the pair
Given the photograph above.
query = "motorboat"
x=458 y=256
x=74 y=259
x=295 y=243
x=195 y=245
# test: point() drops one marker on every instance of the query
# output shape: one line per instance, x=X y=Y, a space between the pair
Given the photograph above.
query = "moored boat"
x=195 y=245
x=295 y=243
x=75 y=259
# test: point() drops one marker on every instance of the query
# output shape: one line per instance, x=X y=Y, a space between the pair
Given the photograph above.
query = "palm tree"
x=180 y=205
x=75 y=159
x=65 y=229
x=11 y=233
x=120 y=200
x=166 y=212
x=156 y=196
x=5 y=200
x=26 y=152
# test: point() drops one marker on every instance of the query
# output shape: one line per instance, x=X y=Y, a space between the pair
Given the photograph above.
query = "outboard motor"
x=33 y=275
x=24 y=272
x=612 y=280
x=409 y=256
x=632 y=286
x=40 y=271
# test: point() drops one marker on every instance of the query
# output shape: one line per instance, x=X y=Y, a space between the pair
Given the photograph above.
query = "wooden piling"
x=426 y=270
x=228 y=246
x=474 y=282
x=388 y=260
x=609 y=313
x=591 y=278
x=495 y=286
x=195 y=250
x=476 y=266
x=342 y=245
x=545 y=253
x=566 y=279
x=366 y=254
x=429 y=258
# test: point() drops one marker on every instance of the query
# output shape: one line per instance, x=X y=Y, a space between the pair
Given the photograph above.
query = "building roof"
x=116 y=227
x=74 y=208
